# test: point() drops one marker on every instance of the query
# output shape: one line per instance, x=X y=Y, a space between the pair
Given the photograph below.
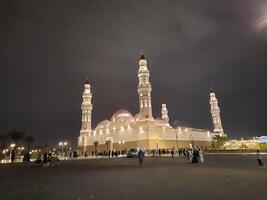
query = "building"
x=124 y=131
x=247 y=144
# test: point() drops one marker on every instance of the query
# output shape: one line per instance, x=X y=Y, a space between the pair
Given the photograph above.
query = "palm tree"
x=220 y=140
x=29 y=140
x=16 y=135
x=3 y=144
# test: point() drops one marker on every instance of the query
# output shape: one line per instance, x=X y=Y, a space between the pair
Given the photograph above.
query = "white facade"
x=124 y=131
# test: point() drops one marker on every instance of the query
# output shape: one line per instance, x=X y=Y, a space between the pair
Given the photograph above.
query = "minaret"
x=164 y=113
x=215 y=113
x=144 y=90
x=86 y=107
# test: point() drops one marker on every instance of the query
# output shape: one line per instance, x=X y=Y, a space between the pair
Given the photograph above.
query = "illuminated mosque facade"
x=124 y=130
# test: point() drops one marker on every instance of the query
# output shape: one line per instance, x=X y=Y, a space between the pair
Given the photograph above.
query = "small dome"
x=122 y=115
x=103 y=124
x=137 y=117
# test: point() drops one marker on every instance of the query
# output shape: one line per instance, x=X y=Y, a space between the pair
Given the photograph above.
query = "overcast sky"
x=48 y=48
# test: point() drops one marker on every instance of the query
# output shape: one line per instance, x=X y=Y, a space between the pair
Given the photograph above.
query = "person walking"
x=140 y=157
x=260 y=159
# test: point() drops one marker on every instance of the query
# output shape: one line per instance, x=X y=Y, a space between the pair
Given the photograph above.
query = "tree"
x=3 y=143
x=16 y=135
x=220 y=140
x=29 y=140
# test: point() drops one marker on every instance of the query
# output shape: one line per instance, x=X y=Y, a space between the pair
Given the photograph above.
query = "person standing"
x=190 y=155
x=45 y=160
x=201 y=156
x=13 y=155
x=140 y=157
x=195 y=156
x=172 y=152
x=260 y=159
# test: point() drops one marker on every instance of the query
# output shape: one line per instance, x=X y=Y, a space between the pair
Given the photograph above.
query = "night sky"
x=48 y=48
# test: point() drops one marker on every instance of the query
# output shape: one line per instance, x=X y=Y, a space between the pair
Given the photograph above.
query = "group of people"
x=194 y=155
x=49 y=160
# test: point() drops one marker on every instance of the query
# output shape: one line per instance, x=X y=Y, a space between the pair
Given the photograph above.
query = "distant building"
x=247 y=144
x=124 y=131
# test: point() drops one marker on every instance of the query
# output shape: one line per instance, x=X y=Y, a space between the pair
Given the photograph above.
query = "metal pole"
x=176 y=140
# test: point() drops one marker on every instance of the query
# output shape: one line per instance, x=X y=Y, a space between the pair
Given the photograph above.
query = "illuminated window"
x=141 y=103
x=145 y=103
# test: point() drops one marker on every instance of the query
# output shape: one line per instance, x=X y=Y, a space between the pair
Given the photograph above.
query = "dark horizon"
x=49 y=48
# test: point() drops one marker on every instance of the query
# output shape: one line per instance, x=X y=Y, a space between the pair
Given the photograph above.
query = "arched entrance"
x=96 y=147
x=109 y=144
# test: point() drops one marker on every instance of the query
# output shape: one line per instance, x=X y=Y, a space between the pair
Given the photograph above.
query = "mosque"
x=124 y=131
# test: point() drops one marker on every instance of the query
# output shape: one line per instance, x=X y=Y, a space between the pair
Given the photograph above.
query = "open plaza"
x=231 y=176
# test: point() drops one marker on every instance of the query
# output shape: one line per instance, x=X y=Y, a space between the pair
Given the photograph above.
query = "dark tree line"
x=15 y=136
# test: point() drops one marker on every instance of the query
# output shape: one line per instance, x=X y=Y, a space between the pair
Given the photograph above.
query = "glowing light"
x=12 y=145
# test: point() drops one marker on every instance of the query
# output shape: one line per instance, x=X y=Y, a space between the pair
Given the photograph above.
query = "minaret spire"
x=215 y=113
x=144 y=90
x=164 y=112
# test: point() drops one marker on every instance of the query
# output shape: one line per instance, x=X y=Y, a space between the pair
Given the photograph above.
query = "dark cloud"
x=48 y=48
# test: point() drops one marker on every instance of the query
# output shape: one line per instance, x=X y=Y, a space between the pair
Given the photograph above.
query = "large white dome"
x=122 y=115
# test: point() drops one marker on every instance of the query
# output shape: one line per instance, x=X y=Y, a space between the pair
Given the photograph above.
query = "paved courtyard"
x=221 y=177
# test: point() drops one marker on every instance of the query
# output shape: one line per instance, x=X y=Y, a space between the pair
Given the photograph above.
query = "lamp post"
x=62 y=144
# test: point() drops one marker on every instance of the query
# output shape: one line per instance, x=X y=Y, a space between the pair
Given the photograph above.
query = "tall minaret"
x=164 y=113
x=86 y=107
x=215 y=113
x=144 y=90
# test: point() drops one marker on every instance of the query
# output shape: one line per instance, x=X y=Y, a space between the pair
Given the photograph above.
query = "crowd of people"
x=192 y=155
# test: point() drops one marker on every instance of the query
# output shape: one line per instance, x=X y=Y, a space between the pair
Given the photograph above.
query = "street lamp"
x=62 y=144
